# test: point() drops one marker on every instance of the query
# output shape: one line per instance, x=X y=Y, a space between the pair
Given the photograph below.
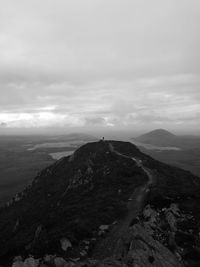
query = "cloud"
x=83 y=63
x=95 y=121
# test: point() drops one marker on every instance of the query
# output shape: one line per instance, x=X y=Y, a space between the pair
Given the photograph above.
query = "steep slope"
x=72 y=198
x=102 y=187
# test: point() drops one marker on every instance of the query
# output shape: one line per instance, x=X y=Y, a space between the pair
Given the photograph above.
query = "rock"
x=48 y=258
x=143 y=251
x=38 y=231
x=18 y=258
x=83 y=253
x=147 y=212
x=103 y=227
x=171 y=219
x=87 y=242
x=17 y=262
x=31 y=262
x=60 y=262
x=151 y=216
x=65 y=244
x=148 y=228
x=175 y=209
x=17 y=198
x=171 y=215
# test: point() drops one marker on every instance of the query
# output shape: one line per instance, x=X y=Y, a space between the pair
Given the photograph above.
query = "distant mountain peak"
x=159 y=133
x=159 y=137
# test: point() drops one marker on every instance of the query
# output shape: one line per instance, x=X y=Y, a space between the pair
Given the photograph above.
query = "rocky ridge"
x=102 y=189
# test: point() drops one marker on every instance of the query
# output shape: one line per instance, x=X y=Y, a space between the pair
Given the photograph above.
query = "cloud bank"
x=98 y=63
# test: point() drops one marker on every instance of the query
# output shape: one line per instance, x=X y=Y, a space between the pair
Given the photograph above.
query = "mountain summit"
x=156 y=135
x=101 y=190
x=159 y=137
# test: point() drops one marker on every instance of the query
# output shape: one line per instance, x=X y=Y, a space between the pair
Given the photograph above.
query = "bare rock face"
x=171 y=215
x=31 y=262
x=65 y=244
x=60 y=262
x=150 y=215
x=176 y=228
x=17 y=262
x=139 y=249
x=144 y=251
x=145 y=244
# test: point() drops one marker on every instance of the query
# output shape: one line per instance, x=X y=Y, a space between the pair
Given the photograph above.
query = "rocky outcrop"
x=65 y=244
x=138 y=249
x=149 y=242
x=28 y=262
x=145 y=251
x=176 y=229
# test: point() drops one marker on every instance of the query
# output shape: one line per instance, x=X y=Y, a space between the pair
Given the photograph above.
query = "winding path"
x=111 y=245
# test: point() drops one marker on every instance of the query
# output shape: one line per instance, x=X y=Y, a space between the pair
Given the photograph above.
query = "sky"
x=100 y=64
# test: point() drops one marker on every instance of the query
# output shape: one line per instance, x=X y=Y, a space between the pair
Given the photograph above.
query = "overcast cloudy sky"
x=100 y=63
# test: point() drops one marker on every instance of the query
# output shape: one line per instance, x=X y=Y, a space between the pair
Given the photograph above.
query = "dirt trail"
x=112 y=243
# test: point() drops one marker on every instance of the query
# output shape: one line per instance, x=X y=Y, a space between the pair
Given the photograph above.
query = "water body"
x=59 y=155
x=58 y=144
x=154 y=147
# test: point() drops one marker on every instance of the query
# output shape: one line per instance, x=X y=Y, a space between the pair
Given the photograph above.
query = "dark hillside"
x=71 y=198
x=76 y=195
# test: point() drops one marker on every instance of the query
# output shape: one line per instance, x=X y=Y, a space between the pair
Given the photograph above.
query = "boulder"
x=65 y=244
x=103 y=227
x=18 y=258
x=17 y=262
x=148 y=212
x=31 y=262
x=175 y=209
x=83 y=253
x=48 y=258
x=150 y=215
x=171 y=219
x=60 y=262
